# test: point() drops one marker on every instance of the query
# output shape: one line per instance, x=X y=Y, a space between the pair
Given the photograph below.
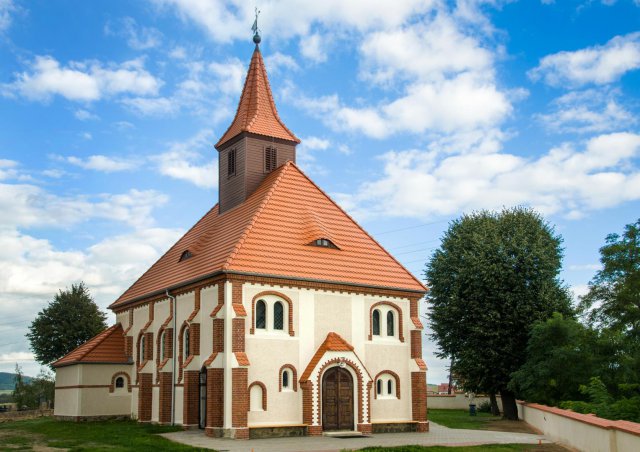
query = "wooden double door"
x=337 y=400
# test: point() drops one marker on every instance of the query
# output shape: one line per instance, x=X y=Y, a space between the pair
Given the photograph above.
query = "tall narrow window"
x=261 y=315
x=231 y=163
x=376 y=322
x=285 y=379
x=389 y=386
x=187 y=348
x=270 y=159
x=278 y=316
x=141 y=350
x=162 y=344
x=379 y=387
x=390 y=324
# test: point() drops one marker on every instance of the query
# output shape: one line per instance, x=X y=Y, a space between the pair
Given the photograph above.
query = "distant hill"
x=7 y=380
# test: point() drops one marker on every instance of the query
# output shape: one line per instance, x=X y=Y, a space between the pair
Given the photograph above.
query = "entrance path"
x=438 y=435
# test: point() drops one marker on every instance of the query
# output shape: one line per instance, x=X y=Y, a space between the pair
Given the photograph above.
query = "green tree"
x=68 y=321
x=493 y=276
x=613 y=300
x=23 y=394
x=546 y=376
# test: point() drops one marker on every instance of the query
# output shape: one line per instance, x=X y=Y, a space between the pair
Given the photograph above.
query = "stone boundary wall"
x=24 y=414
x=584 y=432
x=457 y=401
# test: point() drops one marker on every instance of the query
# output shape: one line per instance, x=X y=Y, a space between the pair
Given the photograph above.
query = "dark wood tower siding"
x=250 y=166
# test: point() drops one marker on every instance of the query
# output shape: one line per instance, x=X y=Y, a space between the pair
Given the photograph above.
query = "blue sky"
x=409 y=115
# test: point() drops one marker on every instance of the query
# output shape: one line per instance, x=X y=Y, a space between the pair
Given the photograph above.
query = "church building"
x=275 y=314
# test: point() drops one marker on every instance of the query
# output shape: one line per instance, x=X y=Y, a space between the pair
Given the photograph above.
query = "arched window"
x=285 y=379
x=261 y=315
x=376 y=323
x=120 y=382
x=389 y=387
x=390 y=324
x=278 y=316
x=256 y=398
x=141 y=350
x=162 y=344
x=185 y=342
x=379 y=387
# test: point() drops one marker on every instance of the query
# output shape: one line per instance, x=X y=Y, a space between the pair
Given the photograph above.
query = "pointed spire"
x=257 y=111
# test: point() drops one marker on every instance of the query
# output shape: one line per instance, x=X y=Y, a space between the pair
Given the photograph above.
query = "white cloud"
x=565 y=180
x=184 y=161
x=226 y=21
x=229 y=75
x=178 y=53
x=102 y=163
x=314 y=48
x=582 y=267
x=138 y=37
x=587 y=112
x=279 y=62
x=598 y=64
x=305 y=153
x=151 y=106
x=8 y=169
x=81 y=81
x=31 y=206
x=7 y=7
x=85 y=115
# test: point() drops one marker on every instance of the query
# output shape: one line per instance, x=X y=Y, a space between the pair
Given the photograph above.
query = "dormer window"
x=186 y=254
x=270 y=159
x=325 y=243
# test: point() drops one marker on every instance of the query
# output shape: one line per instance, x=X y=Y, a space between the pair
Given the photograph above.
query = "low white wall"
x=457 y=401
x=584 y=432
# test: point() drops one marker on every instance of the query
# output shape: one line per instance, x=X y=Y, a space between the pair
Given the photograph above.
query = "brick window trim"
x=400 y=318
x=264 y=394
x=294 y=377
x=280 y=295
x=112 y=386
x=395 y=377
x=183 y=360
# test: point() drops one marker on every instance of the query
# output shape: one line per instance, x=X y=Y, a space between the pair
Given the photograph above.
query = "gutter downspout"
x=173 y=359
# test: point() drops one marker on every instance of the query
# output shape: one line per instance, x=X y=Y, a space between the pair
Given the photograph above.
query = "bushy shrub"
x=484 y=407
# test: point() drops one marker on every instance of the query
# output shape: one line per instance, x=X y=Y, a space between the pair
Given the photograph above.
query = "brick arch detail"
x=112 y=386
x=360 y=393
x=276 y=294
x=400 y=322
x=294 y=376
x=264 y=394
x=394 y=375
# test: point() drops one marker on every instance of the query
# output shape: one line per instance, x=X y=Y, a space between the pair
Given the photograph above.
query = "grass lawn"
x=482 y=421
x=95 y=436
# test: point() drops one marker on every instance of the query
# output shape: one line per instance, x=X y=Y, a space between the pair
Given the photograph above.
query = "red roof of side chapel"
x=106 y=347
x=270 y=234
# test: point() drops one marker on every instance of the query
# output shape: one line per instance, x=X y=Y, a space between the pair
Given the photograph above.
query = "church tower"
x=257 y=141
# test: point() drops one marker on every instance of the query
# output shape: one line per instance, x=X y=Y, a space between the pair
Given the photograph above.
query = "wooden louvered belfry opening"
x=270 y=159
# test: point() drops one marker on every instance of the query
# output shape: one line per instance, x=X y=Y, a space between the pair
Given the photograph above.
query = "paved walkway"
x=438 y=435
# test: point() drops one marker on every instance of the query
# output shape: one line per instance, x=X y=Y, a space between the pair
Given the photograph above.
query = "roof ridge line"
x=360 y=227
x=89 y=349
x=163 y=255
x=261 y=207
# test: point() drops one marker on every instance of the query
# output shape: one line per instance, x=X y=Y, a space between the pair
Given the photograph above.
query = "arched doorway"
x=337 y=399
x=202 y=405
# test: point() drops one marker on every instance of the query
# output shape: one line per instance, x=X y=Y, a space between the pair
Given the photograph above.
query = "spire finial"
x=254 y=28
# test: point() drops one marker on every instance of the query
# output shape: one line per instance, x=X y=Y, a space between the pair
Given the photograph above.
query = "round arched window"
x=120 y=382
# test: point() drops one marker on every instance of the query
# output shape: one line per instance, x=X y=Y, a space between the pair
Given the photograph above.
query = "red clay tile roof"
x=335 y=343
x=106 y=347
x=266 y=235
x=256 y=110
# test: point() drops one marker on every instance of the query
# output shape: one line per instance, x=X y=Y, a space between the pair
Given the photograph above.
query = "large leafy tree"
x=613 y=300
x=493 y=276
x=546 y=376
x=68 y=321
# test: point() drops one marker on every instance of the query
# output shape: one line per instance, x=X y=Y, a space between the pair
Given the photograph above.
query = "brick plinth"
x=365 y=428
x=314 y=430
x=191 y=398
x=423 y=427
x=419 y=396
x=241 y=433
x=145 y=394
x=215 y=400
x=166 y=393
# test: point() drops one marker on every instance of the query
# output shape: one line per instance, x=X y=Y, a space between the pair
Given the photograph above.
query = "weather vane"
x=254 y=28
